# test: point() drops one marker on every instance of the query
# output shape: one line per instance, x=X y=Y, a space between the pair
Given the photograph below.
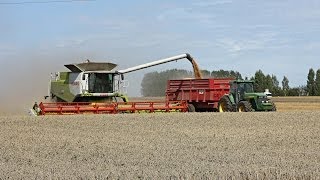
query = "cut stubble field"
x=296 y=104
x=274 y=145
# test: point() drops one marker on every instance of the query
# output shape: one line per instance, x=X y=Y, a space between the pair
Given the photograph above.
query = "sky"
x=278 y=37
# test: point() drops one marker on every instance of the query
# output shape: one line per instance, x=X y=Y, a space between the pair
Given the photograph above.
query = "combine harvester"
x=96 y=88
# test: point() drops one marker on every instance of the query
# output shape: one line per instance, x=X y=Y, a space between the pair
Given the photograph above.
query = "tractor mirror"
x=122 y=77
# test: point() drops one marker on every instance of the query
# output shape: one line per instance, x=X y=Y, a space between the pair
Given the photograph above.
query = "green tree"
x=148 y=85
x=285 y=85
x=294 y=91
x=269 y=83
x=317 y=83
x=155 y=83
x=226 y=74
x=259 y=79
x=275 y=89
x=235 y=74
x=311 y=82
x=302 y=90
x=275 y=81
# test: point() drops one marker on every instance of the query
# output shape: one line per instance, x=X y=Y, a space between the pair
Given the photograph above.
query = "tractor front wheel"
x=244 y=106
x=225 y=104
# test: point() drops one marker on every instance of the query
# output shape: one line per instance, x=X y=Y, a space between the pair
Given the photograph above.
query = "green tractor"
x=242 y=98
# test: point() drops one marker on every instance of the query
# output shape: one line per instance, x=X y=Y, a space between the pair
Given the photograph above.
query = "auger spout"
x=196 y=69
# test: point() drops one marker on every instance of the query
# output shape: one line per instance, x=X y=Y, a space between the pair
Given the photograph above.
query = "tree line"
x=271 y=82
x=154 y=83
x=313 y=83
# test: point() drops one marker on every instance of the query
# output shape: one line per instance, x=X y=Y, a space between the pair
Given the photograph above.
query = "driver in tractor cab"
x=241 y=91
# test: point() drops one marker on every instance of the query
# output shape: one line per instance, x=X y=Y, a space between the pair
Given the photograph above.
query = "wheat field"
x=296 y=104
x=274 y=145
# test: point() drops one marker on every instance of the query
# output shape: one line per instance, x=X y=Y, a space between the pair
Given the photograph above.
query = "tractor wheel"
x=244 y=106
x=225 y=104
x=191 y=108
x=274 y=108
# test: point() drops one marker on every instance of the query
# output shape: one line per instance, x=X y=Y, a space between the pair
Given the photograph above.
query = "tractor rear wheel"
x=225 y=104
x=244 y=106
x=274 y=108
x=191 y=108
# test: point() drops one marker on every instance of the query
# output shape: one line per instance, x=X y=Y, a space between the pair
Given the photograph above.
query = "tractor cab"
x=240 y=88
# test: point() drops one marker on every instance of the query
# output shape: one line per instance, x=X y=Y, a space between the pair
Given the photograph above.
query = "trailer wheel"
x=191 y=108
x=225 y=104
x=244 y=106
x=274 y=108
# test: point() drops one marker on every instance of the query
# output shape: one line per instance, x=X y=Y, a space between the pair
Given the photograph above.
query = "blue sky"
x=278 y=37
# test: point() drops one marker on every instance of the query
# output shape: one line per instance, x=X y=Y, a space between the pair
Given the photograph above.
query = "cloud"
x=258 y=26
x=312 y=46
x=107 y=23
x=211 y=3
x=156 y=39
x=122 y=32
x=256 y=42
x=294 y=11
x=71 y=43
x=7 y=49
x=185 y=14
x=196 y=13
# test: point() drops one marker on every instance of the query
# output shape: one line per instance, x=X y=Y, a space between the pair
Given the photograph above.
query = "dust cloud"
x=25 y=75
x=25 y=79
x=25 y=83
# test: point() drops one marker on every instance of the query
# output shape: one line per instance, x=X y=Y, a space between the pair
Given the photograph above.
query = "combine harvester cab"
x=87 y=82
x=93 y=87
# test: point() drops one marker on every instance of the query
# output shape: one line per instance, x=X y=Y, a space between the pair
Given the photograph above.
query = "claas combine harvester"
x=97 y=88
